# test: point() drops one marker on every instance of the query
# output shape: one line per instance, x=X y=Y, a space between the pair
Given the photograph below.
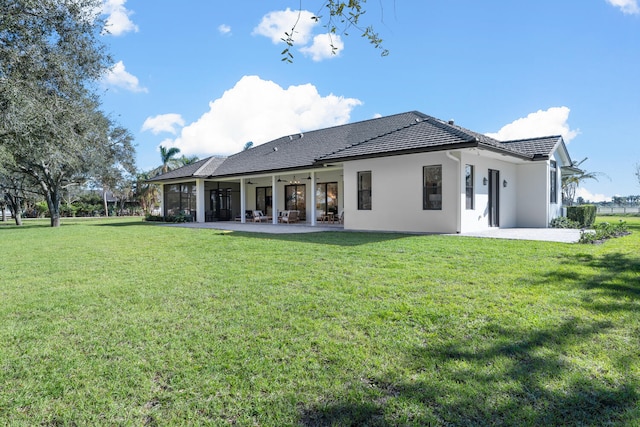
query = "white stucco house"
x=408 y=172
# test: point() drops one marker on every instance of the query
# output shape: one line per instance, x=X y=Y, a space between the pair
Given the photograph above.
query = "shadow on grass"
x=502 y=374
x=334 y=238
x=126 y=224
x=499 y=376
x=616 y=278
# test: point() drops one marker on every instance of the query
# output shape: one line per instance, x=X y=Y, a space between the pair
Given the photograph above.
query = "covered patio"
x=316 y=195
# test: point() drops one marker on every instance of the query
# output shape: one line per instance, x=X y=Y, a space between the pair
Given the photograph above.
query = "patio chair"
x=291 y=216
x=341 y=217
x=258 y=216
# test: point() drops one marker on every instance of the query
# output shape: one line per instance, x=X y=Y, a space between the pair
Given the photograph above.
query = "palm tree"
x=147 y=194
x=168 y=158
x=572 y=177
x=184 y=160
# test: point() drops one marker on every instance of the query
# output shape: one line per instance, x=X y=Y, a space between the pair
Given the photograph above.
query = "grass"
x=118 y=322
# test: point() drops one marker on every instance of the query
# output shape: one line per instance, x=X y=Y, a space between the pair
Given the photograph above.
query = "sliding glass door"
x=294 y=199
x=327 y=197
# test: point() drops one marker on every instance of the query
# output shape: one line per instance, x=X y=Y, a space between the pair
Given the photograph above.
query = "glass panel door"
x=294 y=199
x=327 y=197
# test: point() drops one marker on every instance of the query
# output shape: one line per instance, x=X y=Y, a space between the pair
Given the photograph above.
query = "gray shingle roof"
x=390 y=135
x=201 y=168
x=303 y=150
x=535 y=147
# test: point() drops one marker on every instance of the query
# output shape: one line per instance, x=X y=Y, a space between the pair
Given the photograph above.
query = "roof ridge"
x=416 y=122
x=414 y=112
x=205 y=163
x=531 y=139
x=458 y=130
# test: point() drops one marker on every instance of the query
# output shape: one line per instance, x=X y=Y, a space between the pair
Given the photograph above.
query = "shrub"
x=563 y=222
x=177 y=218
x=585 y=215
x=604 y=231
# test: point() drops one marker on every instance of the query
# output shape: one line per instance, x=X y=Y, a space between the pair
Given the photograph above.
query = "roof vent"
x=451 y=122
x=290 y=137
x=301 y=135
x=275 y=148
x=417 y=119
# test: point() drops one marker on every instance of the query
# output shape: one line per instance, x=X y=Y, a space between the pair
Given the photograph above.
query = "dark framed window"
x=432 y=194
x=469 y=177
x=364 y=191
x=553 y=182
x=264 y=200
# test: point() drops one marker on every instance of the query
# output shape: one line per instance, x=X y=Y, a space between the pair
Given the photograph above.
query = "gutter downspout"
x=458 y=192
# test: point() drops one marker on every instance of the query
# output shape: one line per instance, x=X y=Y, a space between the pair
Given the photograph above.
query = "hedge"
x=583 y=214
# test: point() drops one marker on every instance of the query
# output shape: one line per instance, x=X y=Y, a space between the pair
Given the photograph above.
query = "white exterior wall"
x=396 y=194
x=533 y=194
x=477 y=219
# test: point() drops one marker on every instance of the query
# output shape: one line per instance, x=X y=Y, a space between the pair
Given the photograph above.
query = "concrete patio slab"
x=561 y=235
x=252 y=227
x=539 y=234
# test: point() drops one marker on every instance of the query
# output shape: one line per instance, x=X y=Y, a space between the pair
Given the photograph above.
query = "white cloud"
x=590 y=197
x=259 y=110
x=275 y=24
x=541 y=123
x=224 y=29
x=118 y=21
x=628 y=7
x=163 y=123
x=321 y=47
x=118 y=76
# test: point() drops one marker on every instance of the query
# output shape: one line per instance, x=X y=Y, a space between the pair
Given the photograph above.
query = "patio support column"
x=460 y=192
x=274 y=199
x=314 y=220
x=161 y=197
x=200 y=200
x=243 y=202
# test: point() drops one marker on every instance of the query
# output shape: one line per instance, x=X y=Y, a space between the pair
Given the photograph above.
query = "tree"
x=638 y=172
x=12 y=193
x=187 y=160
x=342 y=16
x=167 y=156
x=117 y=172
x=50 y=125
x=145 y=193
x=247 y=145
x=572 y=177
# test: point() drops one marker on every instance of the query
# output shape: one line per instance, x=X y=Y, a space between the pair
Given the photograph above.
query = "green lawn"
x=119 y=322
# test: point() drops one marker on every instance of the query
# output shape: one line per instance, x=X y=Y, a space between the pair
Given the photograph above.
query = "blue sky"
x=207 y=76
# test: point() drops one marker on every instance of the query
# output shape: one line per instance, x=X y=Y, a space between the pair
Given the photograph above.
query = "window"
x=432 y=196
x=553 y=182
x=468 y=179
x=364 y=191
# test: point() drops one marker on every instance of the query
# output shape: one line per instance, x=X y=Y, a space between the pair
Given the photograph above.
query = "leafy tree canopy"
x=51 y=127
x=342 y=17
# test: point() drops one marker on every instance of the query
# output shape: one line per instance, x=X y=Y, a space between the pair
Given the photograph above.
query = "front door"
x=494 y=198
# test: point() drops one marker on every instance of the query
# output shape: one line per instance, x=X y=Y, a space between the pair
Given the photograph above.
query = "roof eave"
x=461 y=145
